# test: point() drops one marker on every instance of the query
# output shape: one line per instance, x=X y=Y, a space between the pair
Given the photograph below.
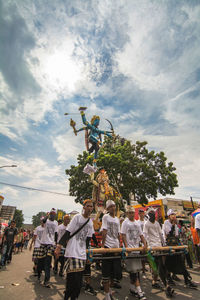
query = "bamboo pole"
x=119 y=250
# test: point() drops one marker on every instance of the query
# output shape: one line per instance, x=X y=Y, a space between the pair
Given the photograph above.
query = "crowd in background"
x=12 y=241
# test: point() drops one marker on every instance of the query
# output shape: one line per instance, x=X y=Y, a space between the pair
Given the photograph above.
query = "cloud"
x=163 y=45
x=16 y=42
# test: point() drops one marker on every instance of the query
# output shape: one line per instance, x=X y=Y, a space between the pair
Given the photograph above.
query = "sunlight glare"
x=61 y=71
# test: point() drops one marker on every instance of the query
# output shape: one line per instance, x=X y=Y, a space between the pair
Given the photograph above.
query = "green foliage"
x=19 y=218
x=132 y=167
x=36 y=218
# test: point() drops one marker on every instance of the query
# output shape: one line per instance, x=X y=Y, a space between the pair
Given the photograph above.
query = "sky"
x=136 y=63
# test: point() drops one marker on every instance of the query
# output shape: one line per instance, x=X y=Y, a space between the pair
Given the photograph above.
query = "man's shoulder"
x=157 y=223
x=166 y=222
x=147 y=223
x=197 y=217
x=125 y=221
x=77 y=216
x=105 y=217
x=91 y=223
x=117 y=219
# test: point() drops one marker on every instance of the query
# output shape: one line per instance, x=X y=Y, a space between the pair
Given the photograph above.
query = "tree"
x=36 y=218
x=19 y=218
x=132 y=168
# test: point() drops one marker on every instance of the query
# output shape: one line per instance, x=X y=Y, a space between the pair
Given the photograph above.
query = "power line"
x=33 y=189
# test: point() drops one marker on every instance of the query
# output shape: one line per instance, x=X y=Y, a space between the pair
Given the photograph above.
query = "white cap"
x=109 y=203
x=130 y=209
x=53 y=210
x=170 y=212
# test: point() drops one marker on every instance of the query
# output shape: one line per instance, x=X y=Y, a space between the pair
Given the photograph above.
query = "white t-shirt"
x=112 y=225
x=38 y=231
x=141 y=223
x=197 y=221
x=76 y=246
x=61 y=231
x=153 y=234
x=48 y=236
x=133 y=232
x=167 y=226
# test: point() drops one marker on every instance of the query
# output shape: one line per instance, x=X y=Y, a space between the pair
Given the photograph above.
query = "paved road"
x=18 y=283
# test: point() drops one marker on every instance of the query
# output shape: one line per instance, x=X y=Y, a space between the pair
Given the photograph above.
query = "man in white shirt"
x=141 y=221
x=77 y=236
x=197 y=223
x=36 y=241
x=111 y=268
x=47 y=247
x=170 y=224
x=154 y=238
x=61 y=259
x=175 y=264
x=131 y=235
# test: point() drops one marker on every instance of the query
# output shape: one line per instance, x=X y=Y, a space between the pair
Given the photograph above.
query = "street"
x=18 y=282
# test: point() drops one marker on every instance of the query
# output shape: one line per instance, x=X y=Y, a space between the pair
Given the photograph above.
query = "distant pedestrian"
x=8 y=242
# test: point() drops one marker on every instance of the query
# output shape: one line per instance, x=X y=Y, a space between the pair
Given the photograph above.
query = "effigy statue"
x=102 y=191
x=93 y=138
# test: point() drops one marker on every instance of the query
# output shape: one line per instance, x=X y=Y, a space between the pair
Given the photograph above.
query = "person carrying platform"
x=175 y=264
x=111 y=268
x=76 y=239
x=154 y=238
x=61 y=231
x=131 y=235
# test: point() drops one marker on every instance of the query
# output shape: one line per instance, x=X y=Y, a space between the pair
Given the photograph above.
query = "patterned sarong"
x=74 y=265
x=46 y=250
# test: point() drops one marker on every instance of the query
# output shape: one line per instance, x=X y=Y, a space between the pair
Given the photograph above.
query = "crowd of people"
x=67 y=240
x=12 y=241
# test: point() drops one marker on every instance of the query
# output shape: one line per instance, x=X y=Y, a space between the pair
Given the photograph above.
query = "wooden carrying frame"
x=119 y=250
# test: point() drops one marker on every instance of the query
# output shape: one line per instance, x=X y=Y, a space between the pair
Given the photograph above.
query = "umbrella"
x=196 y=212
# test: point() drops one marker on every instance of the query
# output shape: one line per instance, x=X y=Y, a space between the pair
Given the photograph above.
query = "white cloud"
x=161 y=52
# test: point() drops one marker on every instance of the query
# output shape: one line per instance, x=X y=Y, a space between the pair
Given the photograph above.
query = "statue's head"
x=102 y=177
x=102 y=170
x=95 y=121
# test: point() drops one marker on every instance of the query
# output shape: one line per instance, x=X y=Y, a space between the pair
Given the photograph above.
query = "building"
x=7 y=213
x=183 y=208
